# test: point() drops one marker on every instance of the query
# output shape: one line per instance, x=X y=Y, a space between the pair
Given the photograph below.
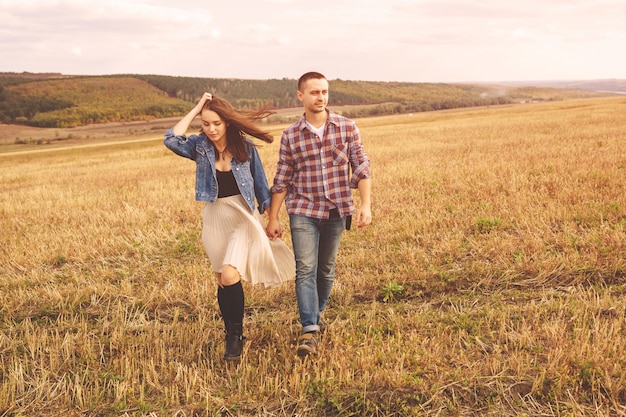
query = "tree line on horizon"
x=281 y=93
x=69 y=101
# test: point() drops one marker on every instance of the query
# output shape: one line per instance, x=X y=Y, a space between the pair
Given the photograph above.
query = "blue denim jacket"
x=250 y=175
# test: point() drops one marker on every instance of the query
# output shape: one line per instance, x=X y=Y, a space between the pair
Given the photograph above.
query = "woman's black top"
x=226 y=184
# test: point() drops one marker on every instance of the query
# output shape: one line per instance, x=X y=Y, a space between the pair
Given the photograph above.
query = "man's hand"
x=363 y=216
x=364 y=213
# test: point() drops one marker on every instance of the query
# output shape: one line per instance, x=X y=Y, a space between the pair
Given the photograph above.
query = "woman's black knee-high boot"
x=231 y=301
x=234 y=341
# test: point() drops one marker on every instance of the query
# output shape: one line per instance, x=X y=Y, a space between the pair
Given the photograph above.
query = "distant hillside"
x=608 y=85
x=57 y=100
x=69 y=102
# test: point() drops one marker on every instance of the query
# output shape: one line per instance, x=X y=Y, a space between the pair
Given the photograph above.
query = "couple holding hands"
x=321 y=159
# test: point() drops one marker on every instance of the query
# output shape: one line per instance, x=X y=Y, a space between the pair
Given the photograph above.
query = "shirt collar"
x=332 y=118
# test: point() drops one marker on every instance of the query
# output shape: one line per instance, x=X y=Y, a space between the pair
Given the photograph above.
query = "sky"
x=370 y=40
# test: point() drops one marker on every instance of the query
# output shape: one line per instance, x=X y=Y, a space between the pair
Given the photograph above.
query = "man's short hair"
x=309 y=76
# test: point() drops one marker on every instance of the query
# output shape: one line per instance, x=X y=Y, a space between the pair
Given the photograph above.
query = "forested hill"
x=57 y=100
x=281 y=93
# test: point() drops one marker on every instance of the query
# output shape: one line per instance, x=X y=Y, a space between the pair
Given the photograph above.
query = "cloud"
x=401 y=40
x=106 y=21
x=109 y=31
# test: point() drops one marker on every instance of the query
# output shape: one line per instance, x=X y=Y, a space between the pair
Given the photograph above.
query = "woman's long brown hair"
x=239 y=122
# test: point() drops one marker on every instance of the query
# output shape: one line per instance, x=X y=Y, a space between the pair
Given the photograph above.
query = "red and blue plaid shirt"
x=320 y=173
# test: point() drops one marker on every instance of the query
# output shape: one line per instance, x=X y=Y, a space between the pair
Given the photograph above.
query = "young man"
x=321 y=159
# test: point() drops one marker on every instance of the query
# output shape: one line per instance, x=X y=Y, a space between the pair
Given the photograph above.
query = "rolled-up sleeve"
x=261 y=187
x=180 y=145
x=359 y=161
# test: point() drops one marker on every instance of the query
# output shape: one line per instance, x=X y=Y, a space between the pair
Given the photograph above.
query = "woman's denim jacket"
x=250 y=175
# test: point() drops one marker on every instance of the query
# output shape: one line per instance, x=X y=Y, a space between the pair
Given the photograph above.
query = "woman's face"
x=214 y=127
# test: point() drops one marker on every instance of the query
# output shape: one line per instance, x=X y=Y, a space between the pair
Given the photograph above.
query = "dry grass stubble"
x=498 y=241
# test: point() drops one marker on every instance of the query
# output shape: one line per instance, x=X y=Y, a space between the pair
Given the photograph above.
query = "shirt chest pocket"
x=340 y=154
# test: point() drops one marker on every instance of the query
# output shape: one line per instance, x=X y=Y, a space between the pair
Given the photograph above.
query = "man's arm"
x=274 y=229
x=364 y=212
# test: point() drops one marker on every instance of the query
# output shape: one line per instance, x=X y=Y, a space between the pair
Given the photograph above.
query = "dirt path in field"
x=18 y=139
x=65 y=147
x=11 y=133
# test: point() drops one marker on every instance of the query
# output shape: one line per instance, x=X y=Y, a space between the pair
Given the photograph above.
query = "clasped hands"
x=274 y=229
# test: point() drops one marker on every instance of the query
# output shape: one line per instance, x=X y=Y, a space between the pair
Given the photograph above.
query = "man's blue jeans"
x=315 y=245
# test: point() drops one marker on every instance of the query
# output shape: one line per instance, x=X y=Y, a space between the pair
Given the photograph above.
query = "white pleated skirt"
x=232 y=235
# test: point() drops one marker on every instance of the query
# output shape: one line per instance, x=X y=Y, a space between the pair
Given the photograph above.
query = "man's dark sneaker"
x=306 y=344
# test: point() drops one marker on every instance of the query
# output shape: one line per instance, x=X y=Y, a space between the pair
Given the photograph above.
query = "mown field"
x=491 y=282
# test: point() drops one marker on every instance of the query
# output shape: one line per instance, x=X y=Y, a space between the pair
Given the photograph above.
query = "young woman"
x=229 y=176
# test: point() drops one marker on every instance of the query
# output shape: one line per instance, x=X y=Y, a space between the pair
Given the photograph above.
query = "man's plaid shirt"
x=319 y=173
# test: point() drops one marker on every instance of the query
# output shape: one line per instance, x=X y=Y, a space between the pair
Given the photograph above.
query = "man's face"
x=314 y=96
